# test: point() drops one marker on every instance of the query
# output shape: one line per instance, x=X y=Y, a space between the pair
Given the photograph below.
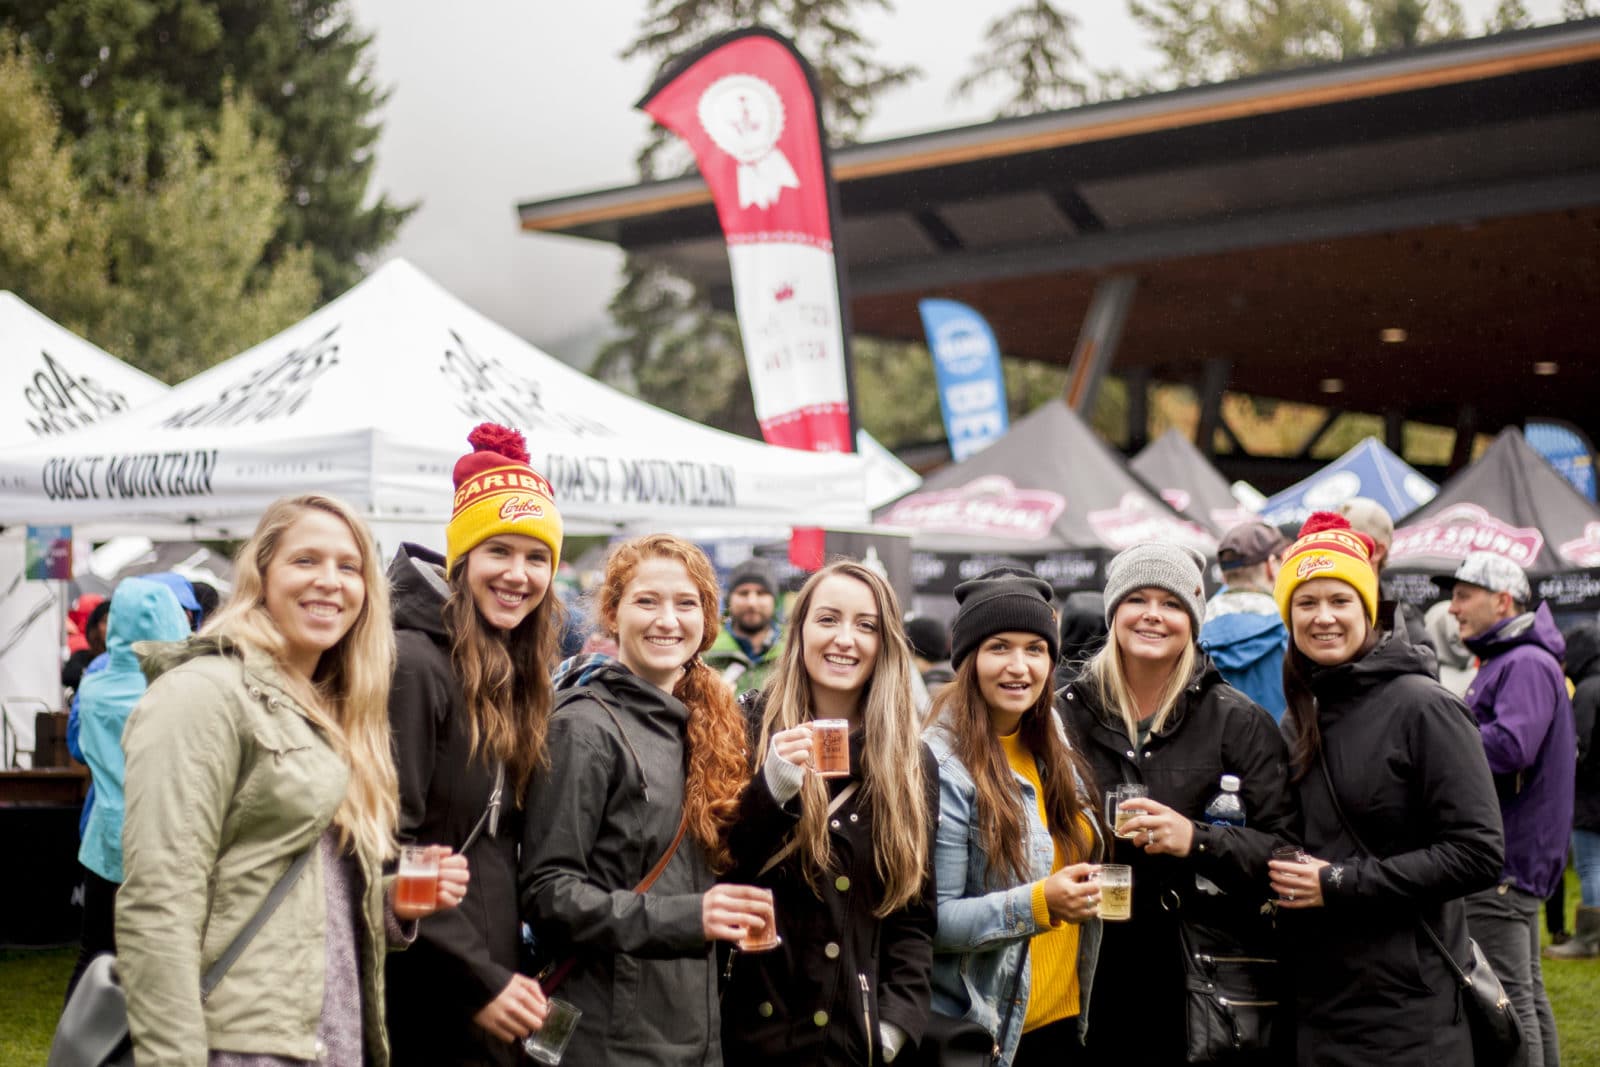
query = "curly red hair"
x=718 y=765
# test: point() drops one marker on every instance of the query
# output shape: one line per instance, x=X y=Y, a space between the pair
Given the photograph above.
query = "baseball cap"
x=1494 y=573
x=1247 y=544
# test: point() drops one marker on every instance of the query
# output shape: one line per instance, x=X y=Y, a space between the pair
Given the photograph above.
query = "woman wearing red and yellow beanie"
x=1378 y=742
x=476 y=632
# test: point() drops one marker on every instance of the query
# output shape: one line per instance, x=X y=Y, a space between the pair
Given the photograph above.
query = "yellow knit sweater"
x=1053 y=957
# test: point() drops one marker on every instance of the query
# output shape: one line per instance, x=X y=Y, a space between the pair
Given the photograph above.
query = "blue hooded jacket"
x=141 y=610
x=1248 y=651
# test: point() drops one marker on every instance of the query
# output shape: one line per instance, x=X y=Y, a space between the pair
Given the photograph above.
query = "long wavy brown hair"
x=891 y=760
x=960 y=710
x=504 y=676
x=717 y=767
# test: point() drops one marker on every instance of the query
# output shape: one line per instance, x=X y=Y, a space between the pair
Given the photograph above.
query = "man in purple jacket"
x=1525 y=719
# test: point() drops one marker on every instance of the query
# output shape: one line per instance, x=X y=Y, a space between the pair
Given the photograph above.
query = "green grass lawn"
x=32 y=984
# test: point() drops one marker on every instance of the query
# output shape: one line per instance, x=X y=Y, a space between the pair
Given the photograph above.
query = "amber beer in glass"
x=418 y=881
x=1116 y=892
x=830 y=748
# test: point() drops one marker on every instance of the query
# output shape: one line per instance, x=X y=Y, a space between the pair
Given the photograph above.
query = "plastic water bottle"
x=1225 y=809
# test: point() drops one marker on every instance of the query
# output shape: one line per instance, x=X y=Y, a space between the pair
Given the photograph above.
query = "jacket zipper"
x=1233 y=959
x=866 y=1013
x=1230 y=1002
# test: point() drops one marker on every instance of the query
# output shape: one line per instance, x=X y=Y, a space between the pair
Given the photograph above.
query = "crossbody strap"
x=794 y=842
x=242 y=940
x=1338 y=810
x=1016 y=984
x=490 y=818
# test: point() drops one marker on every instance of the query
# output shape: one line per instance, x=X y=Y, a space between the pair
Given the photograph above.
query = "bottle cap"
x=1230 y=783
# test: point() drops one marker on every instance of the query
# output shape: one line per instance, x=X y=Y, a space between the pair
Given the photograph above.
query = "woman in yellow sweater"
x=1018 y=906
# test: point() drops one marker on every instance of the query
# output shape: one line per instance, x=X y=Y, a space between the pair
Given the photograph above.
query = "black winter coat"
x=1404 y=755
x=463 y=957
x=1583 y=667
x=817 y=999
x=609 y=805
x=1137 y=1012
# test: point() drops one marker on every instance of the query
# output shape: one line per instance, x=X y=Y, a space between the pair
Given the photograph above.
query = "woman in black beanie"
x=1149 y=708
x=1018 y=932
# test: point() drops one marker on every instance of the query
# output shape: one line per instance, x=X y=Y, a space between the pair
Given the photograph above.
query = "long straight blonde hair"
x=348 y=697
x=1108 y=680
x=893 y=786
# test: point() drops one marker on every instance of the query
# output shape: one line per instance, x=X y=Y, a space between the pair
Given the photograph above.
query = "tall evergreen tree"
x=130 y=76
x=1031 y=51
x=163 y=270
x=673 y=348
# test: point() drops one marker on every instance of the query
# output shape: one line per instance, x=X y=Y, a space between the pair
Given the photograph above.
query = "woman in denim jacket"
x=1016 y=831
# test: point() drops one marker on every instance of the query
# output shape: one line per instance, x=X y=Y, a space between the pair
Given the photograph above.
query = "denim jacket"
x=978 y=946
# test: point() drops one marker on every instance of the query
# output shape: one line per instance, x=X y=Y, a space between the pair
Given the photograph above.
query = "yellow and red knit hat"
x=1328 y=548
x=497 y=492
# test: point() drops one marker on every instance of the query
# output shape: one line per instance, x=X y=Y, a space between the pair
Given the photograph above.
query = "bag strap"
x=794 y=842
x=1338 y=810
x=242 y=940
x=491 y=811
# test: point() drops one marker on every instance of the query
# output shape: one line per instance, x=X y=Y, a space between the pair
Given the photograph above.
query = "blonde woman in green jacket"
x=263 y=737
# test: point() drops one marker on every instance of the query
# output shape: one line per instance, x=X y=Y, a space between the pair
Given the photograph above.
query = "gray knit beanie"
x=1163 y=566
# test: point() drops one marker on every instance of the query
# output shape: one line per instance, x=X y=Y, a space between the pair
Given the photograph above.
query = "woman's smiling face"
x=1328 y=621
x=660 y=621
x=1151 y=625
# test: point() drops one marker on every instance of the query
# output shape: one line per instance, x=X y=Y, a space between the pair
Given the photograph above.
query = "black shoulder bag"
x=950 y=1042
x=1496 y=1030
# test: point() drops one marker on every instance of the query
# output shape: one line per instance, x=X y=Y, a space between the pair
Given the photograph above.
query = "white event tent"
x=52 y=383
x=370 y=399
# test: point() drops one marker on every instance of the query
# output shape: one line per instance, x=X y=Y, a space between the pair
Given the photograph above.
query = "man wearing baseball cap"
x=1243 y=632
x=1519 y=698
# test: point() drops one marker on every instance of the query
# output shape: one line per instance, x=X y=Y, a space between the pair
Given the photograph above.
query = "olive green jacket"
x=227 y=782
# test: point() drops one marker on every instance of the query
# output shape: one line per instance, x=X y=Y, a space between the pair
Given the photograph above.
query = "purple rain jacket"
x=1519 y=697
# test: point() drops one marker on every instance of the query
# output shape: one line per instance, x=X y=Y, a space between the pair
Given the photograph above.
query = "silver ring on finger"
x=1291 y=894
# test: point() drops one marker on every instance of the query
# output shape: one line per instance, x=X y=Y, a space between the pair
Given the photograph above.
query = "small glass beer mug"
x=830 y=747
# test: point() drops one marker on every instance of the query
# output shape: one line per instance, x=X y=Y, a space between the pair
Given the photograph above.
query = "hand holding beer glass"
x=1116 y=892
x=1072 y=894
x=430 y=878
x=1296 y=877
x=1116 y=815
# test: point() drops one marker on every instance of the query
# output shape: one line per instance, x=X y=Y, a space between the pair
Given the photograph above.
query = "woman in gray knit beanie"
x=1149 y=709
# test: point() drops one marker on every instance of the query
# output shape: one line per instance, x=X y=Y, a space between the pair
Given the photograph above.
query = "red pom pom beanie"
x=497 y=492
x=1328 y=548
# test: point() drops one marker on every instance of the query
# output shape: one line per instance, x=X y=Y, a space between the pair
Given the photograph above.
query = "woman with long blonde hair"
x=645 y=763
x=847 y=859
x=1019 y=930
x=476 y=632
x=1150 y=709
x=263 y=738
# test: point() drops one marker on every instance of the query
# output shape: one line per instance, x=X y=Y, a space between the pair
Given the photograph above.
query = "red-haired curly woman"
x=641 y=746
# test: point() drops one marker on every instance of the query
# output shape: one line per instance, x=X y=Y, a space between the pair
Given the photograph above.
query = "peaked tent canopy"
x=1370 y=470
x=53 y=382
x=1188 y=481
x=1049 y=493
x=370 y=399
x=1513 y=503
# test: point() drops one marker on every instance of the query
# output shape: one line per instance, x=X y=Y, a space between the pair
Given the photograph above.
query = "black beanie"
x=998 y=601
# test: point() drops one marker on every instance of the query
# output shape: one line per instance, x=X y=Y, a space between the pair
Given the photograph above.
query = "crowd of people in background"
x=1052 y=826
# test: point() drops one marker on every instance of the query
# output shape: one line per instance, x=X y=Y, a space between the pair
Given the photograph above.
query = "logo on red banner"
x=1585 y=551
x=1313 y=564
x=991 y=506
x=1135 y=520
x=743 y=116
x=1464 y=528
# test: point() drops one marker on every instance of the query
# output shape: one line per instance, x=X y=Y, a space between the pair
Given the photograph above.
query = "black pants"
x=1555 y=908
x=1053 y=1044
x=99 y=923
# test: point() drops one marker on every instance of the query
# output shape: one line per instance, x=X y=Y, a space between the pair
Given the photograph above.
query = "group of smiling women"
x=951 y=875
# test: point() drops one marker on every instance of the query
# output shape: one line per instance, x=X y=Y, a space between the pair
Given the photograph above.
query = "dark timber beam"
x=1214 y=375
x=1098 y=340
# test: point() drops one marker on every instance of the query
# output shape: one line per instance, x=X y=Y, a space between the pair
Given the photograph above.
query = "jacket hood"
x=1537 y=627
x=1391 y=657
x=1236 y=641
x=1205 y=678
x=1446 y=636
x=158 y=657
x=418 y=591
x=623 y=685
x=141 y=610
x=1583 y=652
